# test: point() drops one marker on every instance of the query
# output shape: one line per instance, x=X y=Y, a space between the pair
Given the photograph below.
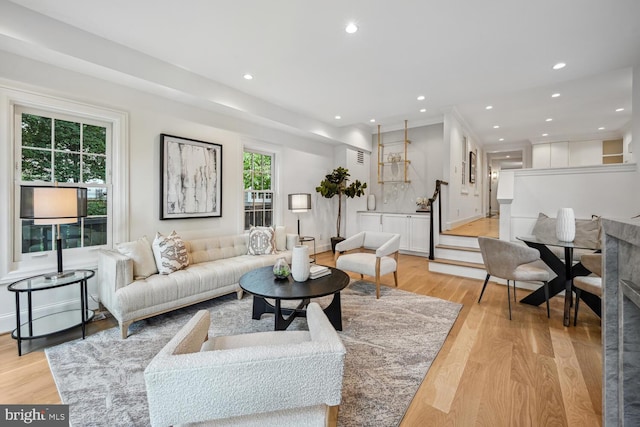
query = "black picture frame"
x=472 y=167
x=191 y=178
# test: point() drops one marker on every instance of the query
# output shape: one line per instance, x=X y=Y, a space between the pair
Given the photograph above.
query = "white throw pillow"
x=262 y=241
x=281 y=238
x=144 y=264
x=170 y=253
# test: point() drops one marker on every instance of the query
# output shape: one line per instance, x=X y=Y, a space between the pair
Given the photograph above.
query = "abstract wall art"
x=191 y=181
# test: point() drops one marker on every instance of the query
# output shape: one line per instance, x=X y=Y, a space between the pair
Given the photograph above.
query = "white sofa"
x=215 y=267
x=276 y=378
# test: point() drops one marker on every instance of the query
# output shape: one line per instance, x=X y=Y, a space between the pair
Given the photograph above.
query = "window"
x=49 y=140
x=69 y=151
x=258 y=190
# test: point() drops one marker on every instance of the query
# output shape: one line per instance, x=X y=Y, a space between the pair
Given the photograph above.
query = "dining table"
x=565 y=270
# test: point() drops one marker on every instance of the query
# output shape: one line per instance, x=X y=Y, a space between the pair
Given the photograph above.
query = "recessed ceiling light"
x=421 y=98
x=372 y=120
x=501 y=139
x=555 y=95
x=559 y=66
x=545 y=134
x=423 y=110
x=601 y=128
x=548 y=120
x=488 y=107
x=248 y=76
x=496 y=127
x=351 y=28
x=338 y=117
x=619 y=109
x=508 y=157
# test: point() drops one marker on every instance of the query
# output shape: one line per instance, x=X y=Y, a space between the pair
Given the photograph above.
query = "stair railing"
x=436 y=195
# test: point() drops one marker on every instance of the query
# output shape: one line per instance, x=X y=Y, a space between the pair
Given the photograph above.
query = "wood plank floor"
x=531 y=371
x=488 y=227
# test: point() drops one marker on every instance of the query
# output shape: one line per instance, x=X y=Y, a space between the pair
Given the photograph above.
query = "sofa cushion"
x=261 y=241
x=588 y=231
x=170 y=253
x=281 y=238
x=216 y=248
x=140 y=252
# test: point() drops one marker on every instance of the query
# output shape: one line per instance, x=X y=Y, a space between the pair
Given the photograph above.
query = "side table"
x=305 y=239
x=50 y=323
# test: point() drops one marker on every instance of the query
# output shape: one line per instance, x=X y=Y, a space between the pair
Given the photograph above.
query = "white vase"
x=300 y=263
x=565 y=225
x=371 y=202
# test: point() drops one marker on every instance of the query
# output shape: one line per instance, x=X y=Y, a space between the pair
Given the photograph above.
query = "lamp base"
x=58 y=275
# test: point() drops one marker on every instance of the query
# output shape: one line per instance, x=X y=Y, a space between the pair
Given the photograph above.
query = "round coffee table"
x=262 y=284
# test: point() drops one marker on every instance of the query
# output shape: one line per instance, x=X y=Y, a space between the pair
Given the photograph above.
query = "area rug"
x=391 y=343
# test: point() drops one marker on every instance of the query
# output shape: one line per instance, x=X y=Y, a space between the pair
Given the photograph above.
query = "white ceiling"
x=458 y=53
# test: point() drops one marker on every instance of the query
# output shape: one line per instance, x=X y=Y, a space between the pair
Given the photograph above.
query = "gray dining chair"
x=512 y=261
x=592 y=284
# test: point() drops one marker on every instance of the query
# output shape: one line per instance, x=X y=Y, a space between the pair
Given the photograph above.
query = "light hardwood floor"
x=531 y=371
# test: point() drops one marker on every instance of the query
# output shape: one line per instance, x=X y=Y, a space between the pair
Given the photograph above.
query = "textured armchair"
x=383 y=261
x=264 y=378
x=512 y=261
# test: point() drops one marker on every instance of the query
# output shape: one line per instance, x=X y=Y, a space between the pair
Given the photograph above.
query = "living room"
x=46 y=64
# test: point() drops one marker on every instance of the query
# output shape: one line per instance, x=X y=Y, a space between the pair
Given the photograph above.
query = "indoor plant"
x=335 y=183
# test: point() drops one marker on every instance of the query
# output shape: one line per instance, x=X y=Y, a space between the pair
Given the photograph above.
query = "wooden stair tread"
x=460 y=263
x=458 y=248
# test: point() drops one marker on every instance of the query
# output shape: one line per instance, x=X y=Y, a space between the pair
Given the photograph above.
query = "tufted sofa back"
x=215 y=248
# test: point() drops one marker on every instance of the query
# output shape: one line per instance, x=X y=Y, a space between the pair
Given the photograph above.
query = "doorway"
x=497 y=162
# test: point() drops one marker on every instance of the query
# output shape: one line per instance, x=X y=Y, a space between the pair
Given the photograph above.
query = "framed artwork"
x=472 y=167
x=191 y=178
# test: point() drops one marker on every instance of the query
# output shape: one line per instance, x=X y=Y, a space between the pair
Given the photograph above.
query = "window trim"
x=275 y=151
x=271 y=189
x=10 y=100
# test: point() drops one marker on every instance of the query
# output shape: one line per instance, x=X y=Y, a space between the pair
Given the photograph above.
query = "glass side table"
x=50 y=323
x=306 y=239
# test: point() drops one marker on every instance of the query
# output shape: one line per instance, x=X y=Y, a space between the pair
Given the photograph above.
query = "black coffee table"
x=261 y=283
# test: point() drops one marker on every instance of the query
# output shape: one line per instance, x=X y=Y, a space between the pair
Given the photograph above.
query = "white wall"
x=303 y=161
x=609 y=191
x=465 y=201
x=426 y=155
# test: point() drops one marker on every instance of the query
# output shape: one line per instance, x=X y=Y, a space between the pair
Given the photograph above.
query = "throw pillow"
x=170 y=253
x=281 y=238
x=261 y=241
x=140 y=252
x=588 y=233
x=545 y=228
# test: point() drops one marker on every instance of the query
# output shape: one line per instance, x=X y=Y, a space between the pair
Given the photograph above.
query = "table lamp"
x=53 y=205
x=299 y=202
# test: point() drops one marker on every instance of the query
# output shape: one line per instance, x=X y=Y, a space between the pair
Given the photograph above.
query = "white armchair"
x=383 y=261
x=264 y=378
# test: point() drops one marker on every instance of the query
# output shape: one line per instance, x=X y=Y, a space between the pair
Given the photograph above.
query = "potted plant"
x=334 y=184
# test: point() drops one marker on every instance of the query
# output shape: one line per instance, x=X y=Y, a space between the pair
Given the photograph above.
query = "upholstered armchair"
x=383 y=261
x=512 y=261
x=256 y=379
x=592 y=283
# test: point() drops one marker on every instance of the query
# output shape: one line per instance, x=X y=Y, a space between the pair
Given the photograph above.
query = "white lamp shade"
x=53 y=205
x=299 y=202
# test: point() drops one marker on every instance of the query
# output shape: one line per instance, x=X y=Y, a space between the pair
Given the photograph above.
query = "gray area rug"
x=391 y=343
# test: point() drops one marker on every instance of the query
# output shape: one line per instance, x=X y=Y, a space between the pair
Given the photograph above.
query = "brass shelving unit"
x=393 y=160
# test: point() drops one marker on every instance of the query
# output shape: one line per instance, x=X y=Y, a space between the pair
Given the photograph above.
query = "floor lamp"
x=53 y=205
x=298 y=203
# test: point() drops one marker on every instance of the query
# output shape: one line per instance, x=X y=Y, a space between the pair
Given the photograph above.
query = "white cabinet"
x=412 y=228
x=369 y=221
x=392 y=223
x=419 y=233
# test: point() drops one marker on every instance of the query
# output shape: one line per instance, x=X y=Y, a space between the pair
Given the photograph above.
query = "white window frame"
x=270 y=191
x=118 y=176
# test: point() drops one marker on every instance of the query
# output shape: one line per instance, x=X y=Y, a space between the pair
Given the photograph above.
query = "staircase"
x=458 y=256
